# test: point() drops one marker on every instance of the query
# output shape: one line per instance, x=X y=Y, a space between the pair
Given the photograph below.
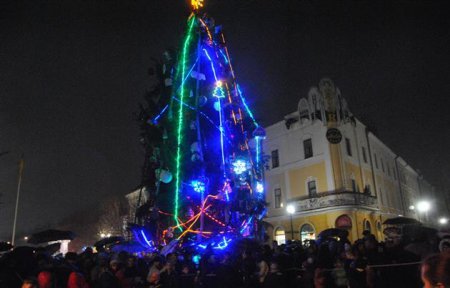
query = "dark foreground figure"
x=329 y=263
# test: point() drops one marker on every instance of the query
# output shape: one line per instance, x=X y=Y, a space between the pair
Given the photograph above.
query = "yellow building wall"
x=336 y=164
x=327 y=220
x=350 y=168
x=298 y=177
x=275 y=181
x=369 y=180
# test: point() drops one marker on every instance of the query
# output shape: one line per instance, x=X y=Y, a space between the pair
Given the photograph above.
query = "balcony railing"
x=334 y=199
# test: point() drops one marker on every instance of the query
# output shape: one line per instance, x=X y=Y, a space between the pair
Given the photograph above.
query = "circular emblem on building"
x=334 y=136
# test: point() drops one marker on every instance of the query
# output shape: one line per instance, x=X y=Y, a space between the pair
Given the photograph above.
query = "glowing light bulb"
x=198 y=186
x=423 y=206
x=259 y=187
x=290 y=209
x=239 y=167
x=196 y=4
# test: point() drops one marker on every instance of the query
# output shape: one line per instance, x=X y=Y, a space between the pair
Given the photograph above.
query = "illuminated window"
x=307 y=232
x=348 y=146
x=277 y=193
x=307 y=148
x=312 y=188
x=280 y=236
x=275 y=159
x=343 y=222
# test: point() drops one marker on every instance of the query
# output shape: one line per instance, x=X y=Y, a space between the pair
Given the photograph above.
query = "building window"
x=348 y=146
x=307 y=148
x=307 y=232
x=275 y=159
x=389 y=169
x=376 y=160
x=312 y=188
x=354 y=187
x=277 y=193
x=382 y=164
x=367 y=226
x=364 y=154
x=343 y=222
x=280 y=236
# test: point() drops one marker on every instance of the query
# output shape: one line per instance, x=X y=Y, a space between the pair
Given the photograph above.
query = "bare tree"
x=113 y=212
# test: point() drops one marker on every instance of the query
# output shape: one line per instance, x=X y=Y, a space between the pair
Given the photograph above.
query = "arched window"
x=316 y=103
x=367 y=226
x=280 y=236
x=379 y=225
x=343 y=222
x=303 y=110
x=307 y=232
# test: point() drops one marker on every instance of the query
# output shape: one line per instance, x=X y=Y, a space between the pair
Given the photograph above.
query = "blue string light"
x=249 y=112
x=156 y=118
x=145 y=239
x=212 y=65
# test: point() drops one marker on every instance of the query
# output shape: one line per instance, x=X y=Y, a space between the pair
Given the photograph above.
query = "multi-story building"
x=334 y=171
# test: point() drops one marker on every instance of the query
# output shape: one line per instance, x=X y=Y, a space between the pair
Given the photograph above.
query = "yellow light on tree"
x=196 y=4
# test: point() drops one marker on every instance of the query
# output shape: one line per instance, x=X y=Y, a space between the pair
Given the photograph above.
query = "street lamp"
x=423 y=206
x=291 y=210
x=443 y=221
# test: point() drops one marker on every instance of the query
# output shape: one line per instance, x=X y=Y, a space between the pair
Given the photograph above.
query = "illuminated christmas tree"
x=203 y=170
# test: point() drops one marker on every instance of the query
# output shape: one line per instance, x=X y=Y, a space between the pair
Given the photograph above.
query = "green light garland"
x=180 y=116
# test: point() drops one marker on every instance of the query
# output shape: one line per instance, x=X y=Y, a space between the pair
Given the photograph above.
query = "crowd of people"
x=327 y=262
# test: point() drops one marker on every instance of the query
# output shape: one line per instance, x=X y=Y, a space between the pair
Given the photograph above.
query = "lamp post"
x=291 y=210
x=19 y=183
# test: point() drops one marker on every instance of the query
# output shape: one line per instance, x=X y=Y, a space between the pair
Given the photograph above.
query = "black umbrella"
x=392 y=232
x=401 y=221
x=50 y=235
x=100 y=245
x=332 y=232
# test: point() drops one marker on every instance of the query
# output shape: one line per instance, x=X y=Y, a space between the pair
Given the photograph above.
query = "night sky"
x=73 y=72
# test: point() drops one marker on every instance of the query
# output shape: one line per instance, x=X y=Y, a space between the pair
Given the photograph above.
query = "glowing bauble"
x=259 y=187
x=217 y=106
x=195 y=148
x=202 y=100
x=164 y=175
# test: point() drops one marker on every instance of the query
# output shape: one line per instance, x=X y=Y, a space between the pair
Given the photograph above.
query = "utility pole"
x=19 y=183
